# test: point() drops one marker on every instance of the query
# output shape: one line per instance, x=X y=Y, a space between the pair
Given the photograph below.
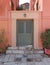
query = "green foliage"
x=45 y=38
x=3 y=41
x=3 y=38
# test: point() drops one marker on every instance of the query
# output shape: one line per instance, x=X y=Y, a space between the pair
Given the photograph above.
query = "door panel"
x=24 y=32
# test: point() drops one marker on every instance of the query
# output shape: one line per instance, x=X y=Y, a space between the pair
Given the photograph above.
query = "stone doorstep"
x=8 y=52
x=20 y=48
x=14 y=51
x=22 y=51
x=38 y=51
x=26 y=49
x=16 y=48
x=18 y=52
x=12 y=48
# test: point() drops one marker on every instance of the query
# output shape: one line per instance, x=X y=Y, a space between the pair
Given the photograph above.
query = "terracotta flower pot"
x=47 y=51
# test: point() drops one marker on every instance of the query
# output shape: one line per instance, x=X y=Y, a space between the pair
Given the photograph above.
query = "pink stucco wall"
x=32 y=2
x=46 y=14
x=5 y=17
x=16 y=3
x=44 y=18
x=5 y=21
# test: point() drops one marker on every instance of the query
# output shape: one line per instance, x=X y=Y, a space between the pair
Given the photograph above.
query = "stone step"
x=20 y=48
x=16 y=48
x=12 y=48
x=23 y=50
x=19 y=52
x=14 y=52
x=38 y=51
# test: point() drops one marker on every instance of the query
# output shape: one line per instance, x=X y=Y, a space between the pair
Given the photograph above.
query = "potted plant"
x=3 y=41
x=45 y=38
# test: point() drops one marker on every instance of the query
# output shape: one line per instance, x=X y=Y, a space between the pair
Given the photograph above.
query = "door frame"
x=32 y=32
x=14 y=32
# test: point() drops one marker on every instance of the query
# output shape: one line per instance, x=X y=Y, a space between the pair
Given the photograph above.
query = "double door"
x=24 y=32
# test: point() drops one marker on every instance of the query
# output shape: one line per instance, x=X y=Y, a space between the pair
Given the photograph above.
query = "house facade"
x=24 y=27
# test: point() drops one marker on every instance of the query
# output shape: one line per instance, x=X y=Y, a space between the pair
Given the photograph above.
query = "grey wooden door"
x=24 y=32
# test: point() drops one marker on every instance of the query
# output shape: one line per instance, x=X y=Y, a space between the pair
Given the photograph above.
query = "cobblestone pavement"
x=19 y=59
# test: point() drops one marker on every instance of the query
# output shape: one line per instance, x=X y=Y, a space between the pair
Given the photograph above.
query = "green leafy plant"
x=45 y=38
x=3 y=41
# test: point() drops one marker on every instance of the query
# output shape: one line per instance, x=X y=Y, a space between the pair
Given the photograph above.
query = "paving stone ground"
x=19 y=59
